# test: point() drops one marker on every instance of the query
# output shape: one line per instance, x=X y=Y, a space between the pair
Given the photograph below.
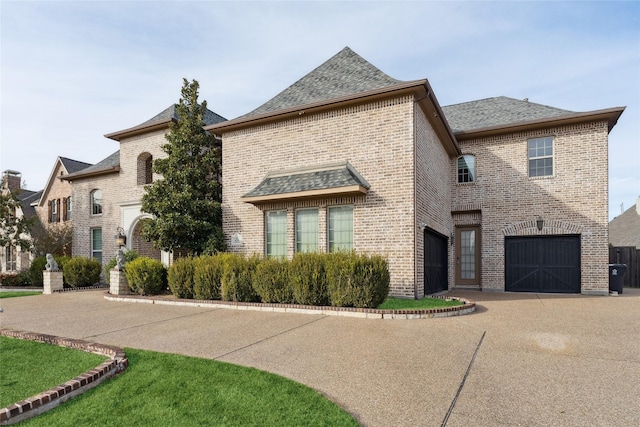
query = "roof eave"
x=93 y=173
x=610 y=115
x=434 y=114
x=137 y=130
x=351 y=190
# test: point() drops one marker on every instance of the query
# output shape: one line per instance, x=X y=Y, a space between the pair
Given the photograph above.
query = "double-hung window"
x=276 y=234
x=54 y=210
x=306 y=230
x=68 y=209
x=96 y=202
x=96 y=244
x=340 y=236
x=540 y=156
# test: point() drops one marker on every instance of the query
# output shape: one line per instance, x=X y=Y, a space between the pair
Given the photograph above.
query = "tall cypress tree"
x=185 y=202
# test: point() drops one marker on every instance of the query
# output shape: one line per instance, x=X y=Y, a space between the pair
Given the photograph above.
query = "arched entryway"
x=141 y=245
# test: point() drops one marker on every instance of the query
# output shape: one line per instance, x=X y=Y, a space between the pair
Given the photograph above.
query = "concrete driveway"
x=521 y=359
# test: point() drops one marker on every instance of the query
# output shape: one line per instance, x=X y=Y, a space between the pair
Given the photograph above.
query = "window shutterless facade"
x=466 y=169
x=540 y=156
x=276 y=233
x=340 y=232
x=96 y=202
x=307 y=230
x=96 y=244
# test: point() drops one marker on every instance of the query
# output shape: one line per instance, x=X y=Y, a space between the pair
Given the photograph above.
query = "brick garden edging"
x=367 y=313
x=49 y=399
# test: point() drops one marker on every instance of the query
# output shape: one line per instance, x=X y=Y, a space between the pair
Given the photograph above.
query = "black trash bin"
x=616 y=277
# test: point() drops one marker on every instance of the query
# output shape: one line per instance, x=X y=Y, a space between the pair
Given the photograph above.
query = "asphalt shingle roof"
x=319 y=178
x=624 y=230
x=105 y=164
x=26 y=198
x=499 y=111
x=171 y=112
x=346 y=73
x=73 y=166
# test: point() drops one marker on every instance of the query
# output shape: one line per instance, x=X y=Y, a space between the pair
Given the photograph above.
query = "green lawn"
x=159 y=389
x=29 y=367
x=13 y=294
x=413 y=304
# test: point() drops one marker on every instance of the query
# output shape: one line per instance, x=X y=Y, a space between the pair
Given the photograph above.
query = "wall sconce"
x=540 y=223
x=121 y=238
x=422 y=226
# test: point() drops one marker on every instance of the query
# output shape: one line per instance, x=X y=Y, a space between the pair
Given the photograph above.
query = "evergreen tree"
x=185 y=202
x=14 y=229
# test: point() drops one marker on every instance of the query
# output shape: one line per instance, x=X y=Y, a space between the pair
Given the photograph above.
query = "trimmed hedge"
x=37 y=267
x=15 y=279
x=80 y=272
x=146 y=276
x=340 y=279
x=180 y=277
x=237 y=278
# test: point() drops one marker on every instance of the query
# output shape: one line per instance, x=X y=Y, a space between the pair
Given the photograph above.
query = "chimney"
x=12 y=180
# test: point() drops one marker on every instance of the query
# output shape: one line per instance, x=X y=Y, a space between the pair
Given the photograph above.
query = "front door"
x=435 y=262
x=468 y=256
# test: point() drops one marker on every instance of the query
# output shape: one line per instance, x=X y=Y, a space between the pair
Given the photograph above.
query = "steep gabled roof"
x=73 y=166
x=624 y=230
x=162 y=120
x=69 y=166
x=28 y=200
x=108 y=165
x=346 y=73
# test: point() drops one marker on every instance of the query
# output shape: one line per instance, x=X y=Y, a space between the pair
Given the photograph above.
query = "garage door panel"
x=542 y=264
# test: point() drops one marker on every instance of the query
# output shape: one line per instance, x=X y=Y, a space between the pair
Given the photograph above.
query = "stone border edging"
x=53 y=397
x=367 y=313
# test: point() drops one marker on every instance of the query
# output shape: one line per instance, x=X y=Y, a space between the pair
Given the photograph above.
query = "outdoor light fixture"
x=422 y=226
x=121 y=239
x=539 y=223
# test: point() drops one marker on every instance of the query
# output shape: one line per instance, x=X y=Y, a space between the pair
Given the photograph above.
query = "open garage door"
x=542 y=264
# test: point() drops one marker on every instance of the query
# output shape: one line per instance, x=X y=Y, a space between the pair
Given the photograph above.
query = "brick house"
x=107 y=196
x=496 y=194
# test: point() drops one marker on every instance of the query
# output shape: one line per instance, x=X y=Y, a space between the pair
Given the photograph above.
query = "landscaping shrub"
x=271 y=281
x=208 y=276
x=128 y=257
x=180 y=277
x=15 y=279
x=81 y=272
x=37 y=267
x=356 y=280
x=237 y=278
x=146 y=276
x=308 y=279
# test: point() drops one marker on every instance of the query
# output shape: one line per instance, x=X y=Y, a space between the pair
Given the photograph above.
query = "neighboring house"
x=624 y=230
x=13 y=258
x=107 y=196
x=497 y=194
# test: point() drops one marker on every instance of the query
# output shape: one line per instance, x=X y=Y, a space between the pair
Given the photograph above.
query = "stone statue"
x=51 y=264
x=120 y=261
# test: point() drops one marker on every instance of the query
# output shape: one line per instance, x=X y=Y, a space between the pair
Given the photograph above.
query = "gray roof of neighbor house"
x=624 y=230
x=73 y=166
x=27 y=198
x=107 y=165
x=497 y=111
x=161 y=120
x=335 y=178
x=346 y=73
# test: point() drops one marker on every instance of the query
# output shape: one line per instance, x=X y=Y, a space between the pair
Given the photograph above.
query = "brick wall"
x=376 y=138
x=573 y=201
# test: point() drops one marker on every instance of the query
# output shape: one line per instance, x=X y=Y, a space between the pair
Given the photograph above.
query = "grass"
x=30 y=367
x=13 y=294
x=413 y=304
x=159 y=389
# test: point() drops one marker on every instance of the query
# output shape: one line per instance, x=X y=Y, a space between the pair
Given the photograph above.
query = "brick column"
x=118 y=284
x=52 y=281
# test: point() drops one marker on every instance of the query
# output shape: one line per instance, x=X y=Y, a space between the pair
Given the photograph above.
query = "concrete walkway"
x=521 y=359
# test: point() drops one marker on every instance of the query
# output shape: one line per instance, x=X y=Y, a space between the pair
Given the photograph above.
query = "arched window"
x=145 y=169
x=466 y=169
x=96 y=202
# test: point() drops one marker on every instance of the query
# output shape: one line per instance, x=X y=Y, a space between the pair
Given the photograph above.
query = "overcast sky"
x=74 y=71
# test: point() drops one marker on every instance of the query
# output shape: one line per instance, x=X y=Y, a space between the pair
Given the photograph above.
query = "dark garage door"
x=435 y=262
x=542 y=264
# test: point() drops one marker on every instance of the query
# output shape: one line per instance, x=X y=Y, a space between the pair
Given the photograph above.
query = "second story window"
x=145 y=169
x=66 y=207
x=466 y=169
x=53 y=210
x=540 y=156
x=96 y=202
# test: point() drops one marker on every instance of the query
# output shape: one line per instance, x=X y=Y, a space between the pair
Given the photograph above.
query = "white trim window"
x=466 y=169
x=540 y=156
x=340 y=228
x=276 y=234
x=96 y=202
x=306 y=230
x=96 y=244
